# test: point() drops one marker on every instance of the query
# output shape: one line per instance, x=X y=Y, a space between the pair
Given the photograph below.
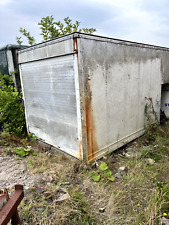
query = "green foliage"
x=112 y=178
x=96 y=177
x=34 y=138
x=162 y=197
x=34 y=153
x=104 y=172
x=22 y=152
x=103 y=166
x=51 y=29
x=31 y=39
x=19 y=40
x=4 y=139
x=11 y=106
x=108 y=173
x=163 y=189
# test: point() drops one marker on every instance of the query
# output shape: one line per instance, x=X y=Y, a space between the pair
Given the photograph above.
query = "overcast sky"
x=144 y=21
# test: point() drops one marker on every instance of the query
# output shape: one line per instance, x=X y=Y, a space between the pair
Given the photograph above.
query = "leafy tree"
x=51 y=29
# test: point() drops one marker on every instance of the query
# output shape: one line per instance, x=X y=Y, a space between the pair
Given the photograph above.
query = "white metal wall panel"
x=118 y=80
x=44 y=51
x=50 y=101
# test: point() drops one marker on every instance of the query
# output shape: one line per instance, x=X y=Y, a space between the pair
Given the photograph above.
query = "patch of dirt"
x=14 y=171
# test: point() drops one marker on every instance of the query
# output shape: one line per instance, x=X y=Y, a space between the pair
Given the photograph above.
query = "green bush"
x=12 y=114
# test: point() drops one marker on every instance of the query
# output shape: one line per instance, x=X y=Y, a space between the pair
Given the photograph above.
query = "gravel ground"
x=14 y=171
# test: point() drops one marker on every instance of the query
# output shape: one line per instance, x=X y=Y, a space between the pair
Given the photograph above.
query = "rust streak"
x=80 y=151
x=92 y=146
x=75 y=45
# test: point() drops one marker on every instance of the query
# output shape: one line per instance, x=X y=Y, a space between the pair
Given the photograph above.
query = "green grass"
x=140 y=196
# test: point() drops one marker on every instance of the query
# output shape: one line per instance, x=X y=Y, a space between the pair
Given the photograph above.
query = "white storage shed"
x=86 y=95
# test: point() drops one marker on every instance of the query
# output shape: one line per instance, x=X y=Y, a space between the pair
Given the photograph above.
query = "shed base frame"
x=114 y=146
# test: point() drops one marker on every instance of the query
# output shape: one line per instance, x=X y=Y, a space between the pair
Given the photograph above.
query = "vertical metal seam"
x=78 y=105
x=23 y=96
x=81 y=77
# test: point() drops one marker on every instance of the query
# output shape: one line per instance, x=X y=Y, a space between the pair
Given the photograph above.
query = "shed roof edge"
x=93 y=37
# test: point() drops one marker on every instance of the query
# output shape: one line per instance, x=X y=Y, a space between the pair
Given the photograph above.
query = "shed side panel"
x=119 y=81
x=50 y=101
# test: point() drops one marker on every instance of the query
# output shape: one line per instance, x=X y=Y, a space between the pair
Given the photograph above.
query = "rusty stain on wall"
x=75 y=45
x=80 y=151
x=92 y=146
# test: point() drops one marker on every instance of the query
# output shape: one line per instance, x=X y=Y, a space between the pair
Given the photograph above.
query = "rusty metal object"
x=3 y=197
x=9 y=210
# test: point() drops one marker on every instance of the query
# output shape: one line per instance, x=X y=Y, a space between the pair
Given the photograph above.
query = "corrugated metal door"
x=50 y=101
